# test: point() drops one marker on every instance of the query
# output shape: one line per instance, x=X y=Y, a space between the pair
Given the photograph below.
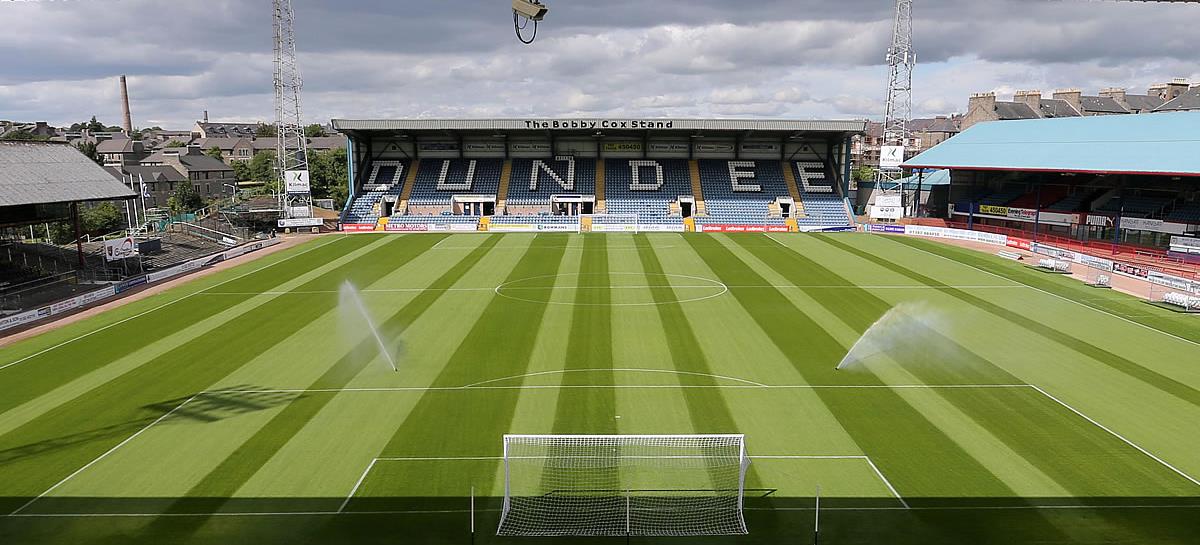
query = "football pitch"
x=255 y=405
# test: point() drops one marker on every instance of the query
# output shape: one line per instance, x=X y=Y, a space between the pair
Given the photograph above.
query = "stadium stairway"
x=789 y=176
x=502 y=194
x=697 y=190
x=410 y=179
x=600 y=205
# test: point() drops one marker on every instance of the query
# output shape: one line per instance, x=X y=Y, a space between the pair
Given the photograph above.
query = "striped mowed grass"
x=248 y=406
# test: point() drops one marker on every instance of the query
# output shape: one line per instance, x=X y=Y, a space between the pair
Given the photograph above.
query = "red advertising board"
x=725 y=228
x=358 y=226
x=1019 y=243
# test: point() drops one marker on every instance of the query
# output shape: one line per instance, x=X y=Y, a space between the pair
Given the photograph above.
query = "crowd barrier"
x=98 y=295
x=1106 y=265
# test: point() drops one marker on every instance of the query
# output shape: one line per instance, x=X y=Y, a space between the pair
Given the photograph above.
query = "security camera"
x=530 y=9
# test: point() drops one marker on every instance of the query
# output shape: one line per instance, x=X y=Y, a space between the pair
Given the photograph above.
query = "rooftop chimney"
x=1117 y=94
x=1033 y=99
x=128 y=122
x=1073 y=96
x=1178 y=86
x=982 y=101
x=206 y=116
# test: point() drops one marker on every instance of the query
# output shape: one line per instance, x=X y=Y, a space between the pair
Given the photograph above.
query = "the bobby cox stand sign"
x=590 y=124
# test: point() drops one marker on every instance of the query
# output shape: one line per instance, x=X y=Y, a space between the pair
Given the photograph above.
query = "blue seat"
x=390 y=176
x=525 y=190
x=644 y=197
x=439 y=180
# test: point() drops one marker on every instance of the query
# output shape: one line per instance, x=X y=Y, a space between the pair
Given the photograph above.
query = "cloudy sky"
x=680 y=58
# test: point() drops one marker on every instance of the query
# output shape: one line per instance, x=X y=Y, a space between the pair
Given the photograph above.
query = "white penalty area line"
x=103 y=456
x=167 y=304
x=362 y=478
x=1117 y=435
x=565 y=288
x=493 y=510
x=985 y=507
x=619 y=370
x=618 y=387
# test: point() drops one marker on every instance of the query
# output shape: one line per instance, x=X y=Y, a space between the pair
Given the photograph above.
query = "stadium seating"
x=1188 y=212
x=435 y=218
x=634 y=186
x=438 y=181
x=1135 y=206
x=525 y=190
x=1073 y=203
x=744 y=200
x=822 y=205
x=386 y=178
x=1048 y=194
x=543 y=219
x=1001 y=198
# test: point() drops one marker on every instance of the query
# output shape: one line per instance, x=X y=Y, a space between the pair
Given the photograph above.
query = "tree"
x=262 y=169
x=215 y=153
x=328 y=175
x=24 y=135
x=241 y=171
x=89 y=150
x=94 y=126
x=266 y=131
x=863 y=174
x=101 y=219
x=176 y=144
x=314 y=131
x=184 y=198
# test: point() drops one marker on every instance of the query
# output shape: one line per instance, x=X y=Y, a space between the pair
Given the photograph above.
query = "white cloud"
x=376 y=58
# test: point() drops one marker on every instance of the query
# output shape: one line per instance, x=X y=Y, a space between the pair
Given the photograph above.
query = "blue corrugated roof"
x=1160 y=143
x=931 y=179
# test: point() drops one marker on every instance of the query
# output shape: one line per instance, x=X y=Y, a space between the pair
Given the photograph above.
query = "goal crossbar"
x=623 y=485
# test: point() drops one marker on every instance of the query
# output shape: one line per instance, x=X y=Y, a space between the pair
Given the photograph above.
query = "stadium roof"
x=46 y=173
x=931 y=179
x=589 y=124
x=1164 y=144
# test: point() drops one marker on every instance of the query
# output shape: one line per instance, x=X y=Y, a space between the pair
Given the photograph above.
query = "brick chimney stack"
x=1117 y=94
x=127 y=123
x=1033 y=99
x=1178 y=86
x=982 y=101
x=1074 y=97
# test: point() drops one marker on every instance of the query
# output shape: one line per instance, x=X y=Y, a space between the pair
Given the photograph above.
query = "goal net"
x=623 y=485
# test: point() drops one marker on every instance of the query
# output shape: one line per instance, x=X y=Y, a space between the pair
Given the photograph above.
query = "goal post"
x=623 y=485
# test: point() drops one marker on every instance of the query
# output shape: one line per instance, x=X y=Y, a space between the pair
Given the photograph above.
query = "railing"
x=1139 y=255
x=214 y=235
x=17 y=289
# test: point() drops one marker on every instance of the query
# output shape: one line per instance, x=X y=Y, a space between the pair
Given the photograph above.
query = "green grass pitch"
x=248 y=407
